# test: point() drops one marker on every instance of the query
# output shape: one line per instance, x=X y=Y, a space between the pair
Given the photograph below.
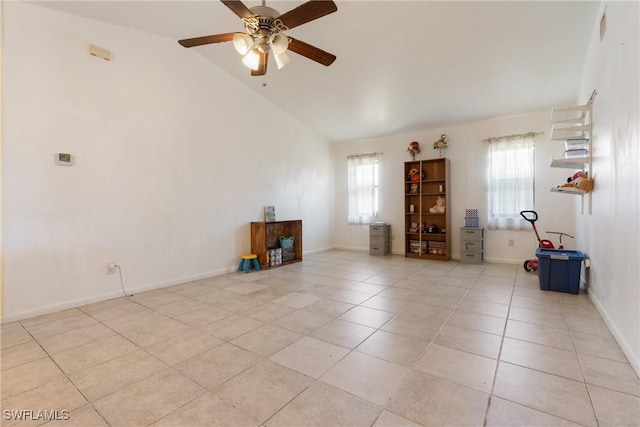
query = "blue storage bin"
x=559 y=270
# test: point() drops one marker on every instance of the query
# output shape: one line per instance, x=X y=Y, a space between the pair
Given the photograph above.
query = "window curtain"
x=362 y=172
x=511 y=181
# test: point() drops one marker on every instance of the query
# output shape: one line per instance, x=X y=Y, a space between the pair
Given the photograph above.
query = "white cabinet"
x=471 y=245
x=379 y=239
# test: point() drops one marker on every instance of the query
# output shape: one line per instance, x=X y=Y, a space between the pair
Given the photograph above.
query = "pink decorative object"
x=413 y=149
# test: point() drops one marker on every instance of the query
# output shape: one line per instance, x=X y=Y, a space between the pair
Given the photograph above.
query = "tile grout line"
x=584 y=376
x=89 y=402
x=495 y=372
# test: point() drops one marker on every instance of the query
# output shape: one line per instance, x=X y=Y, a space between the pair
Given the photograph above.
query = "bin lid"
x=559 y=254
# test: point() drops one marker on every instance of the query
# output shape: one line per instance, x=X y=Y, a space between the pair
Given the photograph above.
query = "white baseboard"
x=166 y=283
x=504 y=261
x=634 y=359
x=25 y=314
x=315 y=251
x=38 y=311
x=353 y=248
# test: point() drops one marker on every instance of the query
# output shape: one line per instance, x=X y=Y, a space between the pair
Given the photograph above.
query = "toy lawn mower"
x=532 y=217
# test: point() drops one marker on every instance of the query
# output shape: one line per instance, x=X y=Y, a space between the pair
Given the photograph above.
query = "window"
x=511 y=180
x=363 y=183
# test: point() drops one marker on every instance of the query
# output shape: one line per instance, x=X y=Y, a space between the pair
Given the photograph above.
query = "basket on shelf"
x=286 y=242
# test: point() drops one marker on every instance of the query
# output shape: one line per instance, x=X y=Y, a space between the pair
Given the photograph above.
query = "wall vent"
x=100 y=52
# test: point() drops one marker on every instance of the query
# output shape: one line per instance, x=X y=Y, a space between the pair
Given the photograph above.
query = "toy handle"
x=560 y=233
x=531 y=216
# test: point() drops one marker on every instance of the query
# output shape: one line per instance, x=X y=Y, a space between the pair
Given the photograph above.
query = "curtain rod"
x=364 y=155
x=512 y=137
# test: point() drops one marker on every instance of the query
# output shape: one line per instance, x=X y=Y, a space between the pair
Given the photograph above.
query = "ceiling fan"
x=265 y=31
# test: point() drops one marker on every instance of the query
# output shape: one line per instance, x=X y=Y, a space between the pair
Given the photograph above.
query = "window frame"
x=363 y=196
x=516 y=176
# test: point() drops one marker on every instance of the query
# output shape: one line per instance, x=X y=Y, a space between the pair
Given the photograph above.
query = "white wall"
x=174 y=158
x=468 y=188
x=610 y=235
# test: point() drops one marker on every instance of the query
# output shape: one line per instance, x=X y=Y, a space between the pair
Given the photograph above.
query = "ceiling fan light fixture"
x=242 y=42
x=282 y=59
x=279 y=42
x=264 y=32
x=252 y=60
x=263 y=47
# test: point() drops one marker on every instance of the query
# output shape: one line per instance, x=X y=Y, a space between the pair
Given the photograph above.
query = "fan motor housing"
x=264 y=19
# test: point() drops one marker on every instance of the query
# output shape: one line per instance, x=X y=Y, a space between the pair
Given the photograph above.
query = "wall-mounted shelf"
x=577 y=163
x=569 y=124
x=566 y=132
x=568 y=190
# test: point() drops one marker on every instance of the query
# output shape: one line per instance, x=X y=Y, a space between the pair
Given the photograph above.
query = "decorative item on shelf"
x=437 y=248
x=418 y=247
x=440 y=205
x=414 y=174
x=471 y=219
x=288 y=254
x=579 y=180
x=441 y=144
x=269 y=214
x=413 y=228
x=286 y=242
x=413 y=149
x=471 y=222
x=412 y=208
x=413 y=189
x=576 y=143
x=433 y=229
x=274 y=257
x=576 y=153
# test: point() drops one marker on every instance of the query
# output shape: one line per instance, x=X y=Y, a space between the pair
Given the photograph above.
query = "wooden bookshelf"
x=266 y=235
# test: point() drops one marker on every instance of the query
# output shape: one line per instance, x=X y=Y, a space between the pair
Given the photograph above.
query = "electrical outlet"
x=111 y=268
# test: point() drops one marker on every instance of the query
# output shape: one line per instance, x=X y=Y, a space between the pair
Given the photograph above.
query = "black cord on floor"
x=121 y=281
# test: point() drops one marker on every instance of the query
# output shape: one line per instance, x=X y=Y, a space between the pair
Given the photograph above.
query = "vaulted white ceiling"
x=402 y=65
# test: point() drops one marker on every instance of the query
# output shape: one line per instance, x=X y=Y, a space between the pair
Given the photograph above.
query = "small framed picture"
x=269 y=214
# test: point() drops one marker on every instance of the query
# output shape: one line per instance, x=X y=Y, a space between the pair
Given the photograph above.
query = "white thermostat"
x=65 y=159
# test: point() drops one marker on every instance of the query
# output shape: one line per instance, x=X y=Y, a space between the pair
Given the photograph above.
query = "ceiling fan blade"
x=262 y=67
x=311 y=52
x=308 y=11
x=199 y=41
x=238 y=8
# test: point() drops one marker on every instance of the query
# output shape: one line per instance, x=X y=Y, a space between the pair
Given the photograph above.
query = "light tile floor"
x=341 y=339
